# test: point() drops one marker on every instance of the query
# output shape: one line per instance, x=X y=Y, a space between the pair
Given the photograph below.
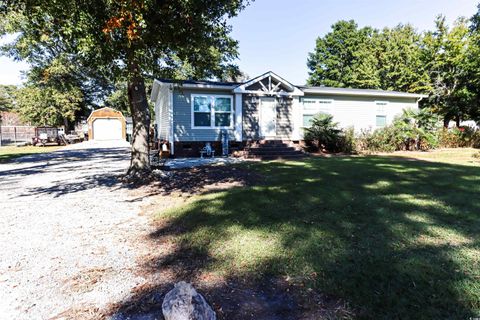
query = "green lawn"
x=448 y=155
x=394 y=238
x=11 y=152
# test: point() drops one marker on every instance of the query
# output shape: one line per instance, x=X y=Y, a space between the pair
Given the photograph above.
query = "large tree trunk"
x=137 y=97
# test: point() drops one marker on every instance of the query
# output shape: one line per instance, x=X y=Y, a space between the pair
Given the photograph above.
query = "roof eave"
x=364 y=93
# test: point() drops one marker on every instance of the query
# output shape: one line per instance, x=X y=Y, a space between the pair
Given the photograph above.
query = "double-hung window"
x=381 y=117
x=314 y=106
x=212 y=111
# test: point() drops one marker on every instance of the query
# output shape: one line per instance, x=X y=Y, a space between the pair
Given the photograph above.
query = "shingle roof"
x=352 y=91
x=205 y=82
x=307 y=89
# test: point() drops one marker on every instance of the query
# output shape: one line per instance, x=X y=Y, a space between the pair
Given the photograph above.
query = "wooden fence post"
x=15 y=135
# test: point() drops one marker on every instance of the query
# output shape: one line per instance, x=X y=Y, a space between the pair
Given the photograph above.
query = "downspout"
x=419 y=99
x=170 y=107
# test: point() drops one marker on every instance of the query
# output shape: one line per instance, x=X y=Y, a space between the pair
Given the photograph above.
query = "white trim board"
x=212 y=112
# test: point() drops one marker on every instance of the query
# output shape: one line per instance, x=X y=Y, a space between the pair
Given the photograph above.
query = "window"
x=381 y=105
x=211 y=111
x=307 y=120
x=314 y=106
x=381 y=121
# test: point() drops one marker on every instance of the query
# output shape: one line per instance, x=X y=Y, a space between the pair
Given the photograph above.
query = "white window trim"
x=212 y=112
x=317 y=107
x=381 y=104
x=381 y=115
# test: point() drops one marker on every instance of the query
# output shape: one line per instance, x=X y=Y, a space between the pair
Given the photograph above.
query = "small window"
x=317 y=105
x=381 y=121
x=212 y=111
x=307 y=120
x=381 y=105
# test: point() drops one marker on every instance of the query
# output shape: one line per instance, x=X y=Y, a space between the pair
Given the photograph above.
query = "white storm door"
x=268 y=117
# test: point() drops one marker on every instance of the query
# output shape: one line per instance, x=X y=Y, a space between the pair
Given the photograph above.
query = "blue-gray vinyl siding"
x=182 y=117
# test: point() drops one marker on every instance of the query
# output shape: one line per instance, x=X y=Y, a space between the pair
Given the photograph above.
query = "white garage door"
x=107 y=129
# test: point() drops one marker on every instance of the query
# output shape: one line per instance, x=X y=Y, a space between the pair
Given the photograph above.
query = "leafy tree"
x=48 y=106
x=127 y=40
x=7 y=97
x=447 y=52
x=118 y=99
x=344 y=58
x=473 y=66
x=400 y=63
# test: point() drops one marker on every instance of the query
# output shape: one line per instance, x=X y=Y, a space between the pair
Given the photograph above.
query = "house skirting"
x=192 y=148
x=187 y=149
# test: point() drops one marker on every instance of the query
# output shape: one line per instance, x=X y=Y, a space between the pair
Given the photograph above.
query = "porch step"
x=272 y=150
x=277 y=157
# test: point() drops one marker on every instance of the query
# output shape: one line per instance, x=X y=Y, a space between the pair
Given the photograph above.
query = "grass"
x=462 y=156
x=394 y=238
x=9 y=153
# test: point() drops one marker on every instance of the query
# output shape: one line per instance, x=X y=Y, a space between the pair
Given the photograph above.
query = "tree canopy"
x=443 y=63
x=125 y=40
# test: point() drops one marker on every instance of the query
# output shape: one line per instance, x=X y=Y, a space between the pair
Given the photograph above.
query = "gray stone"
x=183 y=302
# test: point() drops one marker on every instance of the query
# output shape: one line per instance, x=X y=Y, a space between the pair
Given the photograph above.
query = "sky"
x=277 y=35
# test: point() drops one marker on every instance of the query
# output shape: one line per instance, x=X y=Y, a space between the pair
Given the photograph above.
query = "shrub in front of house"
x=323 y=133
x=461 y=137
x=412 y=130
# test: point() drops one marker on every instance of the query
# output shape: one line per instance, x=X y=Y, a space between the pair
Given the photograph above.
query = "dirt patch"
x=166 y=261
x=241 y=299
x=191 y=181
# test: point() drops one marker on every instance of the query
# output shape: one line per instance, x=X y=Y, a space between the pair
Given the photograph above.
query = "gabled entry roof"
x=269 y=83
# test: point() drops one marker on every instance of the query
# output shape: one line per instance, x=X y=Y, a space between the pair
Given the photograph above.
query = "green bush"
x=461 y=137
x=413 y=130
x=347 y=141
x=324 y=133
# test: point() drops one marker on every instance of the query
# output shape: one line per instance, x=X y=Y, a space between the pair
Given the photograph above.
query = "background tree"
x=446 y=57
x=443 y=63
x=127 y=40
x=400 y=63
x=344 y=58
x=47 y=106
x=7 y=97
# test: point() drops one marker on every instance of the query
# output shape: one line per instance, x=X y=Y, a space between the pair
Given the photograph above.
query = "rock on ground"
x=183 y=302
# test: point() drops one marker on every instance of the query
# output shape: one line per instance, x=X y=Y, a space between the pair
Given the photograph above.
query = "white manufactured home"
x=190 y=113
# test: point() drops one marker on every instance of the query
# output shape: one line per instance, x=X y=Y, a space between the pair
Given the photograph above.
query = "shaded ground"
x=69 y=237
x=364 y=237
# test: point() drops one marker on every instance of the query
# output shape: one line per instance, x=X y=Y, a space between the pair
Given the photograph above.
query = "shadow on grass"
x=392 y=238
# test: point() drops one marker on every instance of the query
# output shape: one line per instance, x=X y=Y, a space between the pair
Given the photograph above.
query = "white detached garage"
x=106 y=124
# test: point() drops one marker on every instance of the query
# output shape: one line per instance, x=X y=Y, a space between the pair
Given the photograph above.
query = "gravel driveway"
x=69 y=236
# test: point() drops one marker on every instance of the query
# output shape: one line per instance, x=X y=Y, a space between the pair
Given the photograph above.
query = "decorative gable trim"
x=271 y=87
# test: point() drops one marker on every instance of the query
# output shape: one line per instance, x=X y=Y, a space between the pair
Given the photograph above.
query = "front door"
x=268 y=117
